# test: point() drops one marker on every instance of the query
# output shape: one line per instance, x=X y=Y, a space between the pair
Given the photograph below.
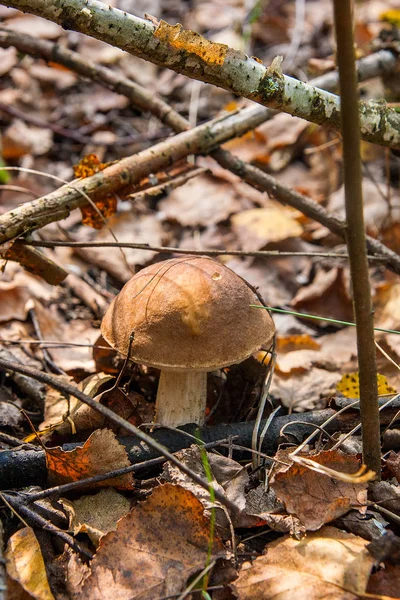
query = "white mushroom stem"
x=181 y=398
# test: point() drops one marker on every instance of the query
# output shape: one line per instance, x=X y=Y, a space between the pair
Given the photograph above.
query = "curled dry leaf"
x=69 y=358
x=229 y=477
x=99 y=454
x=305 y=391
x=25 y=565
x=204 y=200
x=13 y=302
x=325 y=565
x=258 y=227
x=20 y=139
x=155 y=549
x=315 y=498
x=328 y=296
x=96 y=515
x=393 y=464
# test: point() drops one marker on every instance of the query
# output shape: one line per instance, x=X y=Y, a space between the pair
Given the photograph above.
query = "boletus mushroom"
x=189 y=315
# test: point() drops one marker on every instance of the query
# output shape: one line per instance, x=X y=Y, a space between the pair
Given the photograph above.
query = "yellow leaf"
x=350 y=388
x=26 y=566
x=391 y=16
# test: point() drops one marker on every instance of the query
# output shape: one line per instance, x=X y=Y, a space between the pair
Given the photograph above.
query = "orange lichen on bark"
x=88 y=166
x=182 y=39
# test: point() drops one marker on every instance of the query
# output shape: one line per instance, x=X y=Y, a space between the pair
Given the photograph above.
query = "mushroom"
x=189 y=315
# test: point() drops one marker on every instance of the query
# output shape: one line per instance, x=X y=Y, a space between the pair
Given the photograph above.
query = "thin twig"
x=205 y=252
x=36 y=520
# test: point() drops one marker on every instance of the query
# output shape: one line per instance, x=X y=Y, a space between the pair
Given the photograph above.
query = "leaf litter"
x=294 y=533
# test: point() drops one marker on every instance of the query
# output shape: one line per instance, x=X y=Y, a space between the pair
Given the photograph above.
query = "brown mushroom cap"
x=187 y=313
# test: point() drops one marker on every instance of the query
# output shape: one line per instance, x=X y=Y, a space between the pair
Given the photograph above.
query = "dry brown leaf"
x=300 y=361
x=99 y=454
x=127 y=227
x=25 y=564
x=96 y=515
x=327 y=296
x=8 y=60
x=155 y=549
x=229 y=478
x=272 y=143
x=385 y=582
x=325 y=565
x=258 y=227
x=393 y=464
x=305 y=391
x=53 y=328
x=387 y=307
x=315 y=498
x=13 y=302
x=53 y=74
x=42 y=28
x=20 y=139
x=203 y=200
x=275 y=280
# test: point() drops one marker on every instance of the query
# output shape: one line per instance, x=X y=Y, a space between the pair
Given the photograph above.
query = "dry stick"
x=368 y=67
x=142 y=98
x=381 y=62
x=193 y=55
x=37 y=521
x=262 y=181
x=71 y=390
x=355 y=235
x=190 y=251
x=34 y=262
x=124 y=173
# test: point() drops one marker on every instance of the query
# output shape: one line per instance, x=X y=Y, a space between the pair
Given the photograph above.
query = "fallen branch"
x=70 y=390
x=124 y=173
x=382 y=62
x=193 y=55
x=19 y=468
x=34 y=262
x=253 y=176
x=264 y=182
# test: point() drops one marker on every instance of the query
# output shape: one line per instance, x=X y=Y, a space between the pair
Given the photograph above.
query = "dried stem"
x=355 y=235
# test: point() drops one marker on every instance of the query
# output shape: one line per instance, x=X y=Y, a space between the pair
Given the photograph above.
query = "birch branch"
x=193 y=55
x=34 y=215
